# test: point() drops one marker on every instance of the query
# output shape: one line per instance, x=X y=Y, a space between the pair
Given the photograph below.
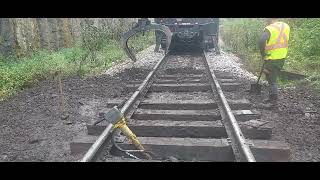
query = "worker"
x=274 y=49
x=158 y=36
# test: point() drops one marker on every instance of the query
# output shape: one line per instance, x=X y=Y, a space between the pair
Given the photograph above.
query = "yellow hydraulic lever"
x=115 y=117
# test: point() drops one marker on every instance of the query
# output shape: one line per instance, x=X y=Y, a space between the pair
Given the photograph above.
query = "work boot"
x=272 y=97
x=268 y=100
x=271 y=103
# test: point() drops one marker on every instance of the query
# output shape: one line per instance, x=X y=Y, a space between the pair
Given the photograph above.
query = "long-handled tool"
x=256 y=88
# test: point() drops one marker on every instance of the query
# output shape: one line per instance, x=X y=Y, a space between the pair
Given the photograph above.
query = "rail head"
x=94 y=149
x=241 y=149
x=97 y=144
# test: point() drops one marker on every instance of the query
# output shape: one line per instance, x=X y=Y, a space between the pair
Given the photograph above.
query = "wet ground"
x=297 y=121
x=31 y=128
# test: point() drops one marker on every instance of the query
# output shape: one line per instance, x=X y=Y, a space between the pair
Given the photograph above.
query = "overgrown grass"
x=16 y=74
x=241 y=37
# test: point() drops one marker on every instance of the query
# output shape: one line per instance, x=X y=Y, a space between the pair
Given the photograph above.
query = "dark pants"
x=158 y=40
x=273 y=67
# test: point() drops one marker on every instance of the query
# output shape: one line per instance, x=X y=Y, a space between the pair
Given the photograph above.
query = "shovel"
x=256 y=88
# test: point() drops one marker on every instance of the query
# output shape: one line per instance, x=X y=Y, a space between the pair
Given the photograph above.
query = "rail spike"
x=144 y=24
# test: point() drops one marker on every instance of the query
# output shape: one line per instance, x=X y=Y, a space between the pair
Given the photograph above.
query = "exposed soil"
x=31 y=128
x=292 y=122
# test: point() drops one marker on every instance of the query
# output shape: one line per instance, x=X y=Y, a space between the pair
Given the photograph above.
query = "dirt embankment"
x=31 y=128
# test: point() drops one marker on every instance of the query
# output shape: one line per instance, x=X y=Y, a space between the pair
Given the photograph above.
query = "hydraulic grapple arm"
x=143 y=25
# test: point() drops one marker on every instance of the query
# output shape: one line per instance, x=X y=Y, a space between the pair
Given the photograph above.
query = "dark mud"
x=30 y=123
x=32 y=130
x=297 y=121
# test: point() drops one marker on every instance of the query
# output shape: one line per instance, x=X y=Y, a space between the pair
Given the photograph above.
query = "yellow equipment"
x=115 y=117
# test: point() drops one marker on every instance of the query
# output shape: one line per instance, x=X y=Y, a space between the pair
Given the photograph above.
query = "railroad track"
x=180 y=112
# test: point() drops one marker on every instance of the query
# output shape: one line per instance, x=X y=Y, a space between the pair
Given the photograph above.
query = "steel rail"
x=91 y=153
x=240 y=148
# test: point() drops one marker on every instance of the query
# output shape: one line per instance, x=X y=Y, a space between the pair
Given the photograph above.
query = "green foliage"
x=241 y=36
x=17 y=75
x=97 y=52
x=304 y=54
x=141 y=41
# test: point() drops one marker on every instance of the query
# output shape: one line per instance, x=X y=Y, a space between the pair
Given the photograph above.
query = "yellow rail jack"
x=115 y=117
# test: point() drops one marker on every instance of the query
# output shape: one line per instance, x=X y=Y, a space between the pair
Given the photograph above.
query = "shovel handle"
x=261 y=72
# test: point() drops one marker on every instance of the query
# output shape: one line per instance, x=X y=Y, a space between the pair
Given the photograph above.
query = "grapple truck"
x=177 y=32
x=198 y=32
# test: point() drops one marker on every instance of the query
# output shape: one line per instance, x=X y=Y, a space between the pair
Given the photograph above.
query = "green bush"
x=17 y=74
